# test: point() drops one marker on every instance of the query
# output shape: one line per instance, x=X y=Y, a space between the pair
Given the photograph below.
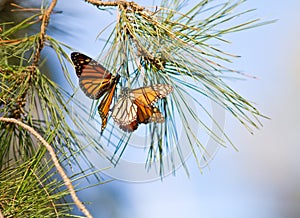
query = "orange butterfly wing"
x=144 y=114
x=150 y=94
x=94 y=79
x=145 y=97
x=148 y=114
x=130 y=127
x=104 y=106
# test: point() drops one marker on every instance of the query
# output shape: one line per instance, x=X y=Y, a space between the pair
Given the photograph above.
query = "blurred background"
x=260 y=180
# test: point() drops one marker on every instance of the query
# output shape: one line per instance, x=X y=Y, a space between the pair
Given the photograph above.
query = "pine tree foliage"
x=166 y=45
x=33 y=189
x=171 y=44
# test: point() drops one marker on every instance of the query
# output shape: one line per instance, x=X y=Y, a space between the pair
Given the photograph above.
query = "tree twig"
x=119 y=3
x=41 y=41
x=60 y=170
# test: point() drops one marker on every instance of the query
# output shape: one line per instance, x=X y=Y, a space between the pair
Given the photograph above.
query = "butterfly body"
x=135 y=106
x=96 y=82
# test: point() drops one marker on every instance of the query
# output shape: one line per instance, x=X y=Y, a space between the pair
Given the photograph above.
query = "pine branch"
x=41 y=40
x=123 y=4
x=60 y=170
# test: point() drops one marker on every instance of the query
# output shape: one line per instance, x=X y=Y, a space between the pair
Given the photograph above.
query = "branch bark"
x=41 y=41
x=120 y=3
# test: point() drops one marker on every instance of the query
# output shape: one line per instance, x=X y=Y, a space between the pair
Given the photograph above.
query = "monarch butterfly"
x=135 y=106
x=95 y=81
